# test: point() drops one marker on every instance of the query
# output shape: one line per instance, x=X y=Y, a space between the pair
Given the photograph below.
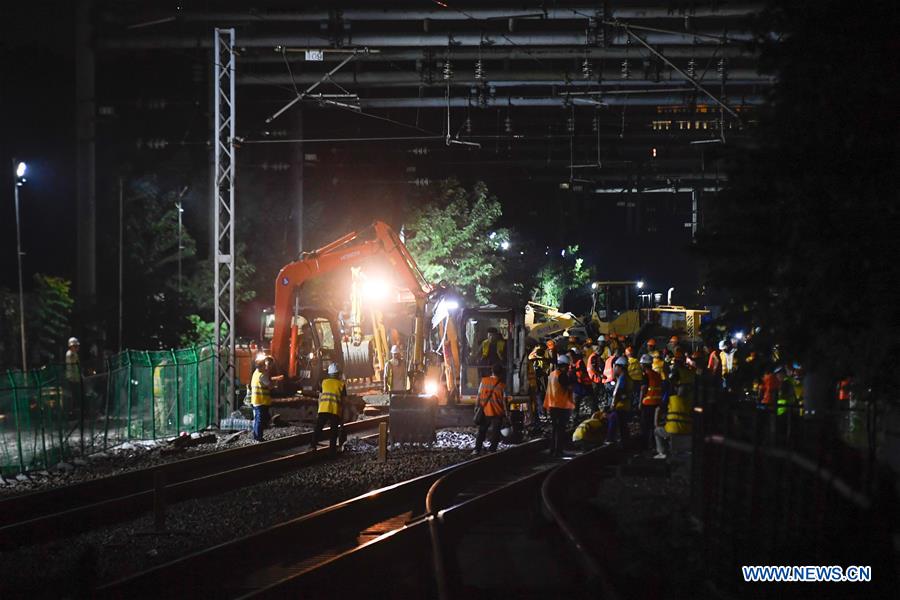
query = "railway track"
x=389 y=530
x=68 y=510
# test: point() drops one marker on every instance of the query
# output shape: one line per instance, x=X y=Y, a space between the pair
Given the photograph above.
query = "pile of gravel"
x=130 y=456
x=110 y=553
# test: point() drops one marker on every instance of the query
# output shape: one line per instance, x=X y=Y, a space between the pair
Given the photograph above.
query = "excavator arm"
x=350 y=250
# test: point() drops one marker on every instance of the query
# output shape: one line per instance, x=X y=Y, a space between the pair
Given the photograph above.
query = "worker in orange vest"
x=769 y=389
x=582 y=388
x=595 y=374
x=651 y=396
x=558 y=402
x=492 y=399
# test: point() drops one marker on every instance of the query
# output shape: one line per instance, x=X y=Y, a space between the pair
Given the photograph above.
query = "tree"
x=803 y=241
x=454 y=238
x=559 y=276
x=48 y=311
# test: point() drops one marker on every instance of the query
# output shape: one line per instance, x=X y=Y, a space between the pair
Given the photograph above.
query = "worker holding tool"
x=621 y=399
x=395 y=372
x=331 y=403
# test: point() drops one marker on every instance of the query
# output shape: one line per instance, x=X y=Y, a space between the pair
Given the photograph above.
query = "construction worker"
x=714 y=365
x=558 y=402
x=674 y=342
x=395 y=371
x=617 y=429
x=493 y=349
x=682 y=376
x=636 y=374
x=768 y=390
x=676 y=432
x=786 y=396
x=651 y=398
x=595 y=374
x=609 y=377
x=552 y=355
x=492 y=400
x=73 y=371
x=331 y=403
x=582 y=388
x=649 y=347
x=591 y=432
x=726 y=357
x=261 y=396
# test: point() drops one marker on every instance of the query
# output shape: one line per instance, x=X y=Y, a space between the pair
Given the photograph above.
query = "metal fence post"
x=130 y=385
x=15 y=391
x=177 y=393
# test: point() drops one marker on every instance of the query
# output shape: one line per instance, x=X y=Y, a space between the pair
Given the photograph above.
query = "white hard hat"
x=601 y=338
x=723 y=345
x=333 y=369
x=621 y=361
x=562 y=359
x=646 y=359
x=395 y=349
x=73 y=341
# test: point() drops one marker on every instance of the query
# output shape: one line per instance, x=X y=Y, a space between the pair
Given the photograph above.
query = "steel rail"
x=37 y=517
x=553 y=497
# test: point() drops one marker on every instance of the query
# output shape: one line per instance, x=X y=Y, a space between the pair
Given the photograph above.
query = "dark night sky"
x=37 y=95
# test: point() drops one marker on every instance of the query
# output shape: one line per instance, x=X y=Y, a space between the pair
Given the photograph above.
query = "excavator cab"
x=313 y=346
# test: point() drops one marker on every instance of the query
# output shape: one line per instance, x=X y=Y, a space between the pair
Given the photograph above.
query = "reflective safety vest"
x=595 y=368
x=769 y=388
x=581 y=373
x=491 y=395
x=727 y=361
x=623 y=397
x=686 y=375
x=591 y=430
x=844 y=390
x=330 y=396
x=654 y=389
x=678 y=418
x=395 y=375
x=159 y=388
x=557 y=396
x=659 y=365
x=608 y=369
x=486 y=348
x=259 y=391
x=635 y=372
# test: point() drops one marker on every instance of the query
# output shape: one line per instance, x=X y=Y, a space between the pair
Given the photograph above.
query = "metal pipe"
x=505 y=53
x=418 y=40
x=393 y=78
x=522 y=101
x=450 y=14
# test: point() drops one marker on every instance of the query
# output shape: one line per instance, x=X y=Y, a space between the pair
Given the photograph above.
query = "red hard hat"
x=673 y=339
x=651 y=342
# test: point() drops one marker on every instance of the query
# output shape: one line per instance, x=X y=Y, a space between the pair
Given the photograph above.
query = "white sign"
x=317 y=55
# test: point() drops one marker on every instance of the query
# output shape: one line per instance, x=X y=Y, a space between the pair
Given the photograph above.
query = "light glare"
x=20 y=169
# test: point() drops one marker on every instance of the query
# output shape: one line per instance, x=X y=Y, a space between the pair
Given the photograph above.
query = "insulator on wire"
x=467 y=125
x=479 y=70
x=626 y=70
x=508 y=124
x=722 y=68
x=595 y=124
x=587 y=69
x=570 y=125
x=448 y=71
x=692 y=68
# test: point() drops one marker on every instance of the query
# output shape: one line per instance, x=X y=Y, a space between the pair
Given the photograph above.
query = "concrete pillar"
x=85 y=127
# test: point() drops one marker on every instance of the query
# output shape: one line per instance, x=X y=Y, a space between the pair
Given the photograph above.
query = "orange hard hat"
x=629 y=351
x=621 y=338
x=551 y=344
x=651 y=342
x=673 y=339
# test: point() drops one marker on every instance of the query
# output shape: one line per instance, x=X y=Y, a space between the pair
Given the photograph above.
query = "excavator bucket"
x=412 y=418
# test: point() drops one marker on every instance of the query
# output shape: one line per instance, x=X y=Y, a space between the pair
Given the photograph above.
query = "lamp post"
x=19 y=169
x=180 y=248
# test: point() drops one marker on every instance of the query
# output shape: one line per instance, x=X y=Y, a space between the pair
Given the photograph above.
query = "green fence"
x=53 y=413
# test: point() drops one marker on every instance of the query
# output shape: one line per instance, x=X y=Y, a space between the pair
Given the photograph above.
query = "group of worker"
x=614 y=381
x=332 y=399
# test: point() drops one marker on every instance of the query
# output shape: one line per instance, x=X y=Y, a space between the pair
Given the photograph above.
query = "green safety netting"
x=54 y=413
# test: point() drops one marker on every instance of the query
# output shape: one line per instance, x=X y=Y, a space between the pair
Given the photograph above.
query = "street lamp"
x=19 y=168
x=180 y=247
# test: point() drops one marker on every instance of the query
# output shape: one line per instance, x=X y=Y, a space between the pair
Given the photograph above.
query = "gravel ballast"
x=63 y=567
x=130 y=456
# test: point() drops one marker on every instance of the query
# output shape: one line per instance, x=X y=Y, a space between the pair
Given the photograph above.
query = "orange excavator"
x=307 y=339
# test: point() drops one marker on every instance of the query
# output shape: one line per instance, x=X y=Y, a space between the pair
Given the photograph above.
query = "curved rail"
x=37 y=517
x=554 y=491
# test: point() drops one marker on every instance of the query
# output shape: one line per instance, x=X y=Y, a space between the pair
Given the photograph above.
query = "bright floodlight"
x=640 y=285
x=375 y=289
x=594 y=285
x=20 y=169
x=431 y=387
x=504 y=244
x=451 y=304
x=738 y=335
